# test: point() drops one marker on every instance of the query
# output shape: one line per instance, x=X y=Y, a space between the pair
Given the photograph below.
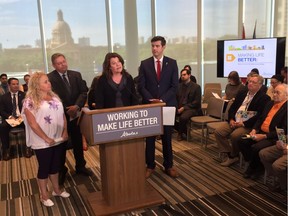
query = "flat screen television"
x=266 y=54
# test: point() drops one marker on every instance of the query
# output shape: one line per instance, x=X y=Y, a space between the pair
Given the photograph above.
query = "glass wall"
x=20 y=47
x=177 y=22
x=220 y=21
x=80 y=30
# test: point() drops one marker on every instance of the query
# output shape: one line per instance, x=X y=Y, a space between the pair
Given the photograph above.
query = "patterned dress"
x=49 y=116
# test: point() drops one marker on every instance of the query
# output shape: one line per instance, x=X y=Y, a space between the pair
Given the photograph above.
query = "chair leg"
x=265 y=177
x=202 y=136
x=206 y=138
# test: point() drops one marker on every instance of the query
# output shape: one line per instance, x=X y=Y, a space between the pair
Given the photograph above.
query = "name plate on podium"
x=123 y=123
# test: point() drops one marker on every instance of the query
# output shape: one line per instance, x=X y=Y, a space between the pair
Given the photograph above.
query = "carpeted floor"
x=203 y=188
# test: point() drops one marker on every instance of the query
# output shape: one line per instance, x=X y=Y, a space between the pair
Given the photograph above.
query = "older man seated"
x=274 y=159
x=252 y=101
x=264 y=132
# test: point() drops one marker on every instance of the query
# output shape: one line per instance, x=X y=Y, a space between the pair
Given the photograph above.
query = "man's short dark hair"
x=26 y=75
x=3 y=74
x=159 y=38
x=187 y=71
x=11 y=79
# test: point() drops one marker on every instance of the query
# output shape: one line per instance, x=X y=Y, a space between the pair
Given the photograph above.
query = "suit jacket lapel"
x=153 y=71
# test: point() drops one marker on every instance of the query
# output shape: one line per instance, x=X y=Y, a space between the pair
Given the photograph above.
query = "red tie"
x=158 y=69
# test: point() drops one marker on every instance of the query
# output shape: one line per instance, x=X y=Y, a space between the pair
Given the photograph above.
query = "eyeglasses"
x=276 y=92
x=273 y=82
x=253 y=82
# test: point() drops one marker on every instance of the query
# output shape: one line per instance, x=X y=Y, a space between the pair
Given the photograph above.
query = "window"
x=20 y=49
x=78 y=31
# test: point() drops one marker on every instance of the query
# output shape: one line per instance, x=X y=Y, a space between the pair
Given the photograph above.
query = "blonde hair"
x=34 y=92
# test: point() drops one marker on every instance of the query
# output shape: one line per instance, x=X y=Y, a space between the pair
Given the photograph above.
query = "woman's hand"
x=50 y=141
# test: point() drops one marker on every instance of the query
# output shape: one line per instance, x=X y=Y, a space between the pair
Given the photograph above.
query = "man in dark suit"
x=8 y=112
x=157 y=82
x=263 y=133
x=72 y=90
x=246 y=101
x=189 y=101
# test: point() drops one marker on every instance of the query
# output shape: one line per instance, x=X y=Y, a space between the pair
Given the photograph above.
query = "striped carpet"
x=203 y=188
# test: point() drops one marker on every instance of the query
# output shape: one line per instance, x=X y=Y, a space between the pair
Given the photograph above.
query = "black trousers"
x=76 y=141
x=250 y=151
x=166 y=148
x=4 y=133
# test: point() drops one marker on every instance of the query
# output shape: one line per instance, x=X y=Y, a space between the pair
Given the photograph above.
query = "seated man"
x=189 y=101
x=264 y=132
x=3 y=86
x=274 y=159
x=250 y=100
x=10 y=108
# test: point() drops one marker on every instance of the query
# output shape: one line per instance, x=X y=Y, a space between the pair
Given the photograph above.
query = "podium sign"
x=122 y=123
x=126 y=124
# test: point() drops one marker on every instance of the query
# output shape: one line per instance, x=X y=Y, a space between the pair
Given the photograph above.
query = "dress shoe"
x=229 y=161
x=274 y=188
x=172 y=172
x=179 y=137
x=148 y=172
x=247 y=174
x=6 y=154
x=28 y=152
x=62 y=175
x=256 y=174
x=84 y=171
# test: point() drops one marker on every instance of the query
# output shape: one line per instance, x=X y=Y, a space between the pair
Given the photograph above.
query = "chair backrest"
x=230 y=102
x=212 y=85
x=215 y=107
x=208 y=93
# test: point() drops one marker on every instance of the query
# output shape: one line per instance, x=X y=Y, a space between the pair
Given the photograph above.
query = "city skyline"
x=92 y=23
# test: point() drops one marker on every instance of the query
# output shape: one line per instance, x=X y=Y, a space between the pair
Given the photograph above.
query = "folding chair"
x=213 y=114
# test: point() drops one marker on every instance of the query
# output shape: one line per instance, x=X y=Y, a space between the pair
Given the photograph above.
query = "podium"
x=120 y=134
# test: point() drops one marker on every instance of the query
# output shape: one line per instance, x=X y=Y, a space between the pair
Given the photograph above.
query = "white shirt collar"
x=161 y=59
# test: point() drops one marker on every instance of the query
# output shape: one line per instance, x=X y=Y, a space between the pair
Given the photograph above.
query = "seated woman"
x=275 y=80
x=234 y=86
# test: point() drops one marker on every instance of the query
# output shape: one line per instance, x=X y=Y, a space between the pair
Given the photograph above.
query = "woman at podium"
x=115 y=86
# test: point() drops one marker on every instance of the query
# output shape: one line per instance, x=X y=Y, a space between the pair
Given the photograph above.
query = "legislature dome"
x=61 y=33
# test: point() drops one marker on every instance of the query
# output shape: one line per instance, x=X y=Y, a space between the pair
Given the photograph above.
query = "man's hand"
x=259 y=137
x=233 y=124
x=72 y=111
x=180 y=110
x=282 y=146
x=155 y=101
